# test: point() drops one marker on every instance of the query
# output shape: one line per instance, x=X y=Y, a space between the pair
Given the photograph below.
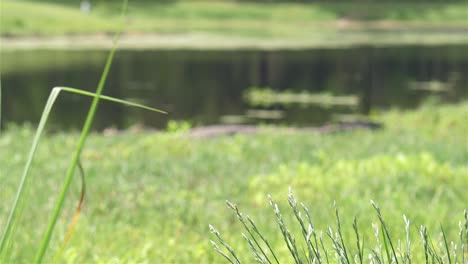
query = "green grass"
x=335 y=22
x=151 y=196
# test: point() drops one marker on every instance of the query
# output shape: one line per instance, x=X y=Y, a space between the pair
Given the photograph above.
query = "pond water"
x=212 y=87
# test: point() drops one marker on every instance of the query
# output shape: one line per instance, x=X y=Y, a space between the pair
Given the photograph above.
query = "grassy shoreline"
x=203 y=41
x=151 y=196
x=205 y=24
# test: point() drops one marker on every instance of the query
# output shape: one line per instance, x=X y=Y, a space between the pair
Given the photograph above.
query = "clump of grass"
x=312 y=248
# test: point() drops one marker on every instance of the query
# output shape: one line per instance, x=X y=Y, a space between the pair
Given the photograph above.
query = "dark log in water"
x=230 y=130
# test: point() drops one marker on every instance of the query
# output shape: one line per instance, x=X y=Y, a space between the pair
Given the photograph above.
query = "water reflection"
x=208 y=87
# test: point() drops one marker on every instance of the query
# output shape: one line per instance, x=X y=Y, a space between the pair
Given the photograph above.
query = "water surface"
x=209 y=87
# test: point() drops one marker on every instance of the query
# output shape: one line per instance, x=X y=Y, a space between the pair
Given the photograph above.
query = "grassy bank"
x=363 y=22
x=151 y=196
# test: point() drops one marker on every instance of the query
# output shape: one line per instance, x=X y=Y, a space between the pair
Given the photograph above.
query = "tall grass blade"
x=387 y=251
x=464 y=236
x=258 y=256
x=226 y=245
x=216 y=247
x=433 y=250
x=242 y=220
x=340 y=233
x=16 y=207
x=252 y=241
x=337 y=246
x=111 y=99
x=84 y=134
x=287 y=236
x=306 y=232
x=423 y=234
x=377 y=253
x=385 y=232
x=359 y=244
x=325 y=251
x=312 y=232
x=408 y=241
x=447 y=250
x=81 y=142
x=254 y=227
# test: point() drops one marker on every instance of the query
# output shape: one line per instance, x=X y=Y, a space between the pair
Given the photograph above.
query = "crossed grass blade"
x=18 y=202
x=17 y=207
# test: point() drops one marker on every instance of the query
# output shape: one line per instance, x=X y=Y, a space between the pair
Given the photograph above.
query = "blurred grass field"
x=151 y=196
x=22 y=17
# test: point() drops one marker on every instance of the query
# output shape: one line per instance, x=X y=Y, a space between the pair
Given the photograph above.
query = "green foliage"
x=422 y=178
x=174 y=126
x=249 y=19
x=267 y=97
x=151 y=195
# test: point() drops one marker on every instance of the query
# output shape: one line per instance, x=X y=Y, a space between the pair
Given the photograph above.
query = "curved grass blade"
x=78 y=150
x=17 y=208
x=111 y=99
x=77 y=213
x=7 y=234
x=84 y=134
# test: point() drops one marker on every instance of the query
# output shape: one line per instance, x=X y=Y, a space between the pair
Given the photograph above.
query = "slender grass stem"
x=383 y=252
x=226 y=245
x=340 y=233
x=252 y=238
x=16 y=208
x=408 y=240
x=385 y=234
x=359 y=245
x=447 y=250
x=325 y=251
x=306 y=234
x=81 y=142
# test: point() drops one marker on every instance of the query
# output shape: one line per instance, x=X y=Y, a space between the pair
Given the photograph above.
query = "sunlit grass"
x=285 y=19
x=151 y=196
x=26 y=17
x=336 y=244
